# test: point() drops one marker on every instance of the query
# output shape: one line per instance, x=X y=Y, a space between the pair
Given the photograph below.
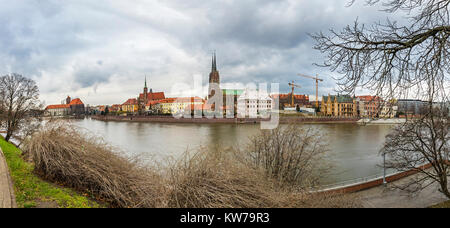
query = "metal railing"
x=363 y=180
x=360 y=180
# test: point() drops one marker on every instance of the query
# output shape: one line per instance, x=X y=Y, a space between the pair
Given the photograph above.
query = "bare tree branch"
x=419 y=142
x=392 y=59
x=19 y=97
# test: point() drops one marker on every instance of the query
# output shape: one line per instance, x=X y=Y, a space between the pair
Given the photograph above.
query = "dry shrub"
x=63 y=154
x=218 y=178
x=209 y=178
x=293 y=155
x=212 y=178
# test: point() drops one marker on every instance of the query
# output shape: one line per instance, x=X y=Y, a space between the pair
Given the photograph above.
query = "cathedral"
x=214 y=79
x=147 y=96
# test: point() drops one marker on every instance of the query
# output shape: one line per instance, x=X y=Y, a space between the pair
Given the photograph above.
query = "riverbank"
x=381 y=121
x=204 y=120
x=32 y=191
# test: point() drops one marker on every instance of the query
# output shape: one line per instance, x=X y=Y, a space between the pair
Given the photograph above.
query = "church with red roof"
x=71 y=107
x=145 y=98
x=144 y=101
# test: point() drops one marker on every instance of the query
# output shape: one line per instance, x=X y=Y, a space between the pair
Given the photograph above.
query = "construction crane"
x=292 y=85
x=317 y=86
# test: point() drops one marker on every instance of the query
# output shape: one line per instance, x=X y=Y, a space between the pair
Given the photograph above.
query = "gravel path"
x=7 y=199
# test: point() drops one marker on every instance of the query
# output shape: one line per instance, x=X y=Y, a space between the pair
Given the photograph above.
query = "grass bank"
x=31 y=191
x=445 y=204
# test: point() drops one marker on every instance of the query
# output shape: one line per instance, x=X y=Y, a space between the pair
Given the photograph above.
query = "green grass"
x=32 y=191
x=445 y=204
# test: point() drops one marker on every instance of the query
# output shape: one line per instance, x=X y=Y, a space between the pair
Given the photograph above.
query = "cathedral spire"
x=214 y=64
x=145 y=90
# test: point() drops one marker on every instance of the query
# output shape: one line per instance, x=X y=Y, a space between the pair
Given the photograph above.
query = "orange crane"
x=292 y=85
x=317 y=86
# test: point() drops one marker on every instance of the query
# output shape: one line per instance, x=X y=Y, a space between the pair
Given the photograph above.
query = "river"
x=354 y=149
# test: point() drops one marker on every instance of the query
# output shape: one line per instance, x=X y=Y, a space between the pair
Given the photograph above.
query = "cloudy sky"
x=101 y=50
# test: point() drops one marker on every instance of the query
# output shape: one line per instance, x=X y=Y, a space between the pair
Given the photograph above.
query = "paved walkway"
x=390 y=197
x=7 y=199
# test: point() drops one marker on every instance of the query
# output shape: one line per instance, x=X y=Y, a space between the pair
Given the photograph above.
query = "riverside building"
x=68 y=107
x=254 y=104
x=339 y=105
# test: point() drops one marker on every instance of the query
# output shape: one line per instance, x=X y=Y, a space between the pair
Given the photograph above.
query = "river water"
x=354 y=149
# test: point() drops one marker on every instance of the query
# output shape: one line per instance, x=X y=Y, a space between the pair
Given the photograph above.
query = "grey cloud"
x=91 y=76
x=86 y=42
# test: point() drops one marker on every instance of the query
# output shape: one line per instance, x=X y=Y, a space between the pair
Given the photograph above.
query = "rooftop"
x=131 y=101
x=58 y=106
x=76 y=101
x=153 y=96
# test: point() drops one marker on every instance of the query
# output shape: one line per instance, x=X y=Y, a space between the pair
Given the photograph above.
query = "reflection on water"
x=354 y=149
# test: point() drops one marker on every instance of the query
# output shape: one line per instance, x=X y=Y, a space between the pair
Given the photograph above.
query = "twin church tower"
x=214 y=78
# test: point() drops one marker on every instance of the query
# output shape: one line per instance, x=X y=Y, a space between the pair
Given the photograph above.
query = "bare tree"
x=18 y=98
x=292 y=155
x=401 y=60
x=420 y=142
x=390 y=58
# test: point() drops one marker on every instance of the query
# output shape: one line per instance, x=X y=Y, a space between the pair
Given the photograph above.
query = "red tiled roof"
x=131 y=101
x=167 y=100
x=153 y=96
x=76 y=101
x=369 y=98
x=181 y=100
x=288 y=95
x=57 y=106
x=115 y=107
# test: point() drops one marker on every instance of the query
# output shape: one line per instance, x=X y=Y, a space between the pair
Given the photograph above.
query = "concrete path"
x=390 y=197
x=7 y=198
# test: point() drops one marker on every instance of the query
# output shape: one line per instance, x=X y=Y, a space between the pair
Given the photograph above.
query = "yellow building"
x=179 y=104
x=340 y=105
x=131 y=105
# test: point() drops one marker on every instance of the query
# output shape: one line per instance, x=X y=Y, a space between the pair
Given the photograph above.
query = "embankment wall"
x=170 y=119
